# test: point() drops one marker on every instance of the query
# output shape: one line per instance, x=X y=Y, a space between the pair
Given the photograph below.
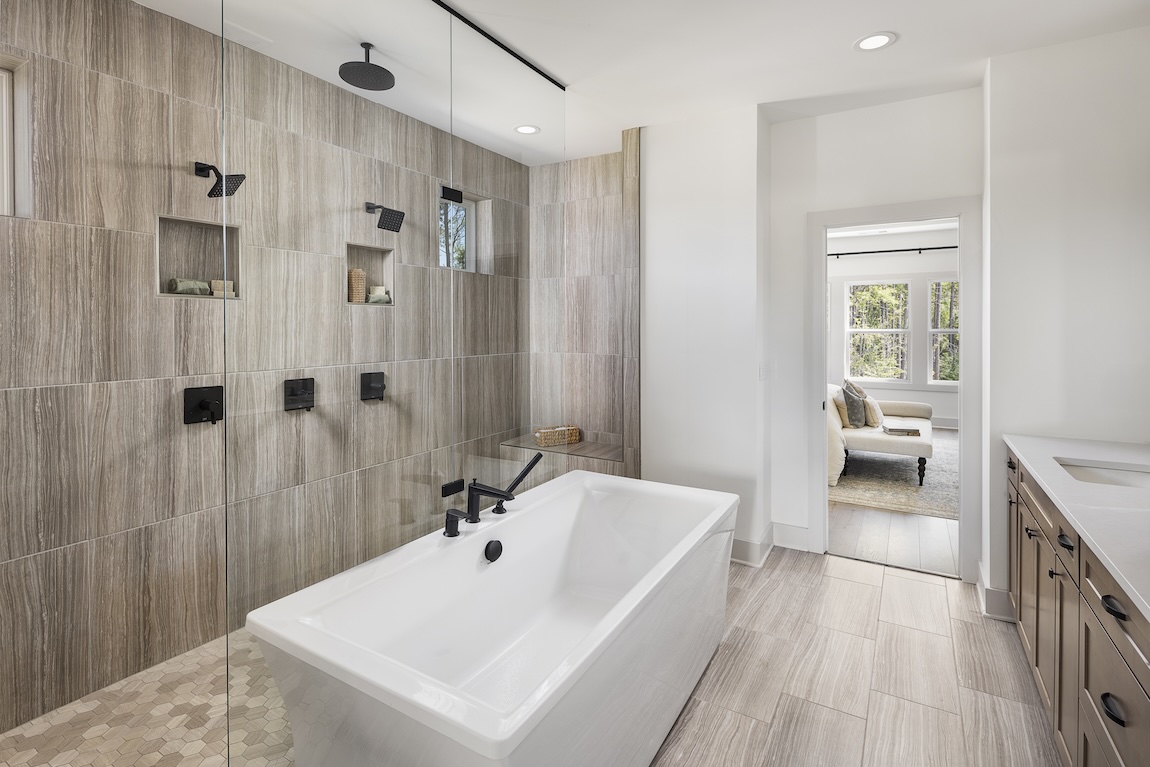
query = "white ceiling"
x=631 y=63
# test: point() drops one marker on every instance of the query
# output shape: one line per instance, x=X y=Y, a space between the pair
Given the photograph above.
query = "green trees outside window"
x=877 y=330
x=944 y=331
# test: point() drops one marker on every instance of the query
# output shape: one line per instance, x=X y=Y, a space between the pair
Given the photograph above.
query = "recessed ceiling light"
x=527 y=130
x=876 y=41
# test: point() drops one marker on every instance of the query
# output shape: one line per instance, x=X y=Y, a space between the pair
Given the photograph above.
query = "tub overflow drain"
x=493 y=550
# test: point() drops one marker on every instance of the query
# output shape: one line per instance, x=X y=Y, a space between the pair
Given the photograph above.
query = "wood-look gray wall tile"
x=319 y=201
x=631 y=144
x=358 y=123
x=43 y=340
x=398 y=502
x=60 y=99
x=368 y=180
x=43 y=495
x=318 y=312
x=547 y=231
x=331 y=515
x=157 y=591
x=492 y=395
x=806 y=733
x=373 y=333
x=442 y=314
x=127 y=182
x=273 y=92
x=197 y=137
x=421 y=148
x=44 y=623
x=594 y=242
x=398 y=425
x=548 y=315
x=631 y=239
x=417 y=196
x=412 y=296
x=631 y=408
x=594 y=308
x=547 y=390
x=199 y=337
x=267 y=551
x=260 y=330
x=631 y=312
x=60 y=29
x=265 y=442
x=132 y=42
x=472 y=300
x=548 y=184
x=268 y=201
x=132 y=330
x=320 y=105
x=505 y=317
x=144 y=464
x=598 y=176
x=330 y=429
x=593 y=392
x=203 y=82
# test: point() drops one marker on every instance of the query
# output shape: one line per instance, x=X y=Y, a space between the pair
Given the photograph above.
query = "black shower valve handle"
x=214 y=408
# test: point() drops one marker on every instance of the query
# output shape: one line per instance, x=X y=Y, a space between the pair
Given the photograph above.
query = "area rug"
x=882 y=481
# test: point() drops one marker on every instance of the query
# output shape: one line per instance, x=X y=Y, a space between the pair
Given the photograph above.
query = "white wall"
x=702 y=411
x=921 y=149
x=1068 y=244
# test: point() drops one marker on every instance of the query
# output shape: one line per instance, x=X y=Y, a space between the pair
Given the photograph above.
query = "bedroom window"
x=7 y=146
x=944 y=301
x=877 y=330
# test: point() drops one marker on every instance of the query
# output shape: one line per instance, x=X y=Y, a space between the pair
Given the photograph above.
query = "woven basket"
x=356 y=286
x=550 y=436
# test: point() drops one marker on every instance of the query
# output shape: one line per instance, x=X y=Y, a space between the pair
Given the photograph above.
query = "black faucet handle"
x=451 y=529
x=488 y=490
x=517 y=481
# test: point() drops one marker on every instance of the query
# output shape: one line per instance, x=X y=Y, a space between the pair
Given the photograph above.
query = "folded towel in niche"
x=378 y=298
x=187 y=287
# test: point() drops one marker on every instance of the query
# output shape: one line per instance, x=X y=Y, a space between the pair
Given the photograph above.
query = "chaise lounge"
x=908 y=415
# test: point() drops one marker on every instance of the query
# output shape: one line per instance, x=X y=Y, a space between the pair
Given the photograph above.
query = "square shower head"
x=389 y=219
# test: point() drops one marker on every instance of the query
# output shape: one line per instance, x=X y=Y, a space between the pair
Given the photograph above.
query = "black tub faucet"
x=477 y=490
x=517 y=481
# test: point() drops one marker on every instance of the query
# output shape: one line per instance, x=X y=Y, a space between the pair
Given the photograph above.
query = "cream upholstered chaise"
x=909 y=415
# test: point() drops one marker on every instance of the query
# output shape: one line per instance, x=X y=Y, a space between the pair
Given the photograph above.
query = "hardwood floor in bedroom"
x=895 y=538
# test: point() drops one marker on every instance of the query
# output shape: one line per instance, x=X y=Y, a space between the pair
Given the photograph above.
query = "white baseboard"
x=944 y=423
x=995 y=602
x=751 y=553
x=792 y=537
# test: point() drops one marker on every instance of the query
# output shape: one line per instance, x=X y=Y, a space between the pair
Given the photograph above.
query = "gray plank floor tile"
x=804 y=733
x=853 y=570
x=990 y=659
x=1003 y=732
x=899 y=732
x=874 y=535
x=903 y=545
x=776 y=607
x=934 y=552
x=832 y=669
x=915 y=604
x=847 y=606
x=711 y=736
x=962 y=601
x=917 y=666
x=747 y=673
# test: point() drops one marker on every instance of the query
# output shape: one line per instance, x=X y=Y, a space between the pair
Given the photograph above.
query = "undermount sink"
x=1107 y=472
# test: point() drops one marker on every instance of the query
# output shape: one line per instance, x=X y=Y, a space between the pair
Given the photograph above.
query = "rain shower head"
x=389 y=219
x=364 y=74
x=225 y=186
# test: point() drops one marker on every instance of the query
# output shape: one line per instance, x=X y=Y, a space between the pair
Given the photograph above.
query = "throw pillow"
x=841 y=406
x=873 y=412
x=855 y=388
x=856 y=408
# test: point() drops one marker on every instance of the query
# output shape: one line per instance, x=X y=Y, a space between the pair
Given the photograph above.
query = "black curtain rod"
x=900 y=250
x=502 y=45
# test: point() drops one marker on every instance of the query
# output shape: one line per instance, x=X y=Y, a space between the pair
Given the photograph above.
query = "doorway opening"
x=892 y=337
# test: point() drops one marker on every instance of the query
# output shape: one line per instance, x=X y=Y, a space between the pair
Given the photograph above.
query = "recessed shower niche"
x=378 y=265
x=194 y=251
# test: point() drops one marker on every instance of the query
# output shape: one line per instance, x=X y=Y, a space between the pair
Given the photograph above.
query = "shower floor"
x=171 y=715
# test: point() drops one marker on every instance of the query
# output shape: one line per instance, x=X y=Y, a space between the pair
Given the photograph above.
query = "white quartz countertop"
x=1113 y=521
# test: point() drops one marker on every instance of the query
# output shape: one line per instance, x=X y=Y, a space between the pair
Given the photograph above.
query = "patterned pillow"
x=856 y=408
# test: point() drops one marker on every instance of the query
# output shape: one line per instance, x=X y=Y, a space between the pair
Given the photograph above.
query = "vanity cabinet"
x=1087 y=646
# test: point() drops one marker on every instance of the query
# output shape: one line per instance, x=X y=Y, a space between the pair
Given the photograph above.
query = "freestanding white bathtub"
x=578 y=647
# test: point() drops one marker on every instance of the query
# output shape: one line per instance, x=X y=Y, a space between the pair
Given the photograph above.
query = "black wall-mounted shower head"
x=225 y=186
x=389 y=219
x=364 y=74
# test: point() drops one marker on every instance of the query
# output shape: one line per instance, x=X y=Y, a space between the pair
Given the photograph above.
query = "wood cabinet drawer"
x=1012 y=467
x=1131 y=634
x=1112 y=696
x=1062 y=536
x=1094 y=748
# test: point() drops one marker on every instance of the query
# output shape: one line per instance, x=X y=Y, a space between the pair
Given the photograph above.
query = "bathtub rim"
x=468 y=720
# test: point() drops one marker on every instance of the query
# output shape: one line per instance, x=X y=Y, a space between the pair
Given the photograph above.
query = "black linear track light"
x=389 y=219
x=225 y=186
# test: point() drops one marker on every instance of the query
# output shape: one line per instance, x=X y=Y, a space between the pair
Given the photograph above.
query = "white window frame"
x=469 y=256
x=7 y=143
x=906 y=332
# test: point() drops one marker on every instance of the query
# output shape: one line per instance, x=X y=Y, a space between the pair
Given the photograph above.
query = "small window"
x=7 y=146
x=457 y=235
x=877 y=330
x=944 y=331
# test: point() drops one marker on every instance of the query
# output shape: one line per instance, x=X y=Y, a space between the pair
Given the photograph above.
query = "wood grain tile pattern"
x=990 y=659
x=594 y=241
x=901 y=732
x=706 y=735
x=902 y=654
x=915 y=604
x=805 y=733
x=598 y=176
x=832 y=669
x=847 y=606
x=747 y=674
x=776 y=607
x=1000 y=731
x=854 y=570
x=594 y=314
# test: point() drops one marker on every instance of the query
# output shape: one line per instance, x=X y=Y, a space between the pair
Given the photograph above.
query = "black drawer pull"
x=1110 y=708
x=1114 y=608
x=1065 y=543
x=1030 y=533
x=1051 y=573
x=1010 y=502
x=1011 y=464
